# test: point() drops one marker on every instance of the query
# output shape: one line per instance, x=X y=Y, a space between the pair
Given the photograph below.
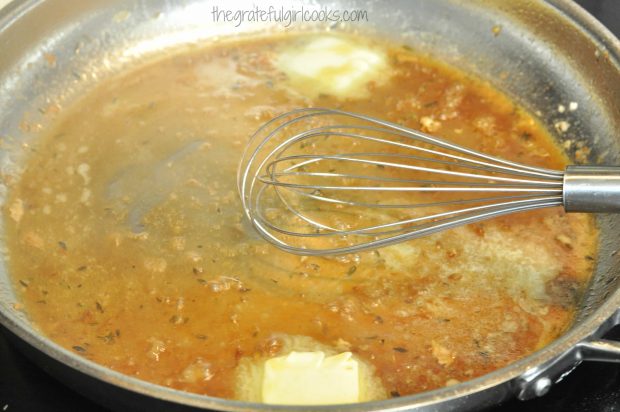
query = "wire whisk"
x=321 y=181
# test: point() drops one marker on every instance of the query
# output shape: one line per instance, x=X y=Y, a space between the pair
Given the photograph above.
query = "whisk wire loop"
x=322 y=181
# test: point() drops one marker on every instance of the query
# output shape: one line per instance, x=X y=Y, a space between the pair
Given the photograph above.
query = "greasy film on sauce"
x=128 y=245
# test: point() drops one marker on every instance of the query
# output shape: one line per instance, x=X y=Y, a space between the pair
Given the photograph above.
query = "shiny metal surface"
x=273 y=175
x=592 y=189
x=546 y=53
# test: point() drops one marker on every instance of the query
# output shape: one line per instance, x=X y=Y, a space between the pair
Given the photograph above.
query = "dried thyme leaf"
x=108 y=339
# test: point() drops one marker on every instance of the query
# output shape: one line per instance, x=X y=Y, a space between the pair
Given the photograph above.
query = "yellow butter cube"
x=310 y=378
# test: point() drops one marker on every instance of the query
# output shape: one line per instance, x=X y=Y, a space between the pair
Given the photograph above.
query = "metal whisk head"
x=321 y=181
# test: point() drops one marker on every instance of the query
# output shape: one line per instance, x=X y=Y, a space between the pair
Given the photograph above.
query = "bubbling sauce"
x=128 y=245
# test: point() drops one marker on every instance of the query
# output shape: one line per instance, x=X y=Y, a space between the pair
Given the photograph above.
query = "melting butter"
x=332 y=65
x=251 y=379
x=310 y=378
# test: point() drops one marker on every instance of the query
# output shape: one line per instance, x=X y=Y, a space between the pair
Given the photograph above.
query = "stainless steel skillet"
x=543 y=53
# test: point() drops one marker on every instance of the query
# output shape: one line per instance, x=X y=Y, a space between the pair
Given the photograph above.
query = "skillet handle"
x=539 y=380
x=602 y=350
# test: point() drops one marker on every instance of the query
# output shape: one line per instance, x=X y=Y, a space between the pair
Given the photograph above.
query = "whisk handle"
x=593 y=189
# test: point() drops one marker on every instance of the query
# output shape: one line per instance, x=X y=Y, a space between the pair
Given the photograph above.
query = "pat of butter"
x=310 y=378
x=334 y=66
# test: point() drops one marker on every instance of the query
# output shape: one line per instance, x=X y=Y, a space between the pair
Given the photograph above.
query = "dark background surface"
x=592 y=387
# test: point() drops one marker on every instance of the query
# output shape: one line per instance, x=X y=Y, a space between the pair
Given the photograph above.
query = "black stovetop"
x=592 y=387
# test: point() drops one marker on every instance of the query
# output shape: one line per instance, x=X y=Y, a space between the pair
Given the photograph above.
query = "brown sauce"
x=128 y=245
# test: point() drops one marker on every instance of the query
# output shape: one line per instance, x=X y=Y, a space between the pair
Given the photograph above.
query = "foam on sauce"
x=128 y=245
